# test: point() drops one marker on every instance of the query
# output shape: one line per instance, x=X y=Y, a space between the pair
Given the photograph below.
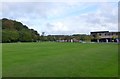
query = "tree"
x=97 y=38
x=25 y=36
x=113 y=38
x=88 y=38
x=10 y=36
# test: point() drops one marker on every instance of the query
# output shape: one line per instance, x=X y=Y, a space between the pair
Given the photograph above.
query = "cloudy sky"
x=64 y=17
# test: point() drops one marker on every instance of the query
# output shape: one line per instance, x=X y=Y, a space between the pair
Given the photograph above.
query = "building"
x=105 y=36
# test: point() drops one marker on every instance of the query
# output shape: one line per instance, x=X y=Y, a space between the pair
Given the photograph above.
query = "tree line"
x=67 y=38
x=14 y=31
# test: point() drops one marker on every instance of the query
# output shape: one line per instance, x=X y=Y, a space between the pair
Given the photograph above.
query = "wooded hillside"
x=14 y=31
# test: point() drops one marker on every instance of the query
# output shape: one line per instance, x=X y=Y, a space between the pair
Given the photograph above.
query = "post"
x=106 y=40
x=98 y=40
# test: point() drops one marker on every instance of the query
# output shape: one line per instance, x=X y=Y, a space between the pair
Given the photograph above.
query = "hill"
x=14 y=31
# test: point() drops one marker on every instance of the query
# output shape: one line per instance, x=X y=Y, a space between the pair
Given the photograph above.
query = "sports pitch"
x=51 y=59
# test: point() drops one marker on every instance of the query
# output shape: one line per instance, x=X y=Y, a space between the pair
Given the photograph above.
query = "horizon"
x=61 y=18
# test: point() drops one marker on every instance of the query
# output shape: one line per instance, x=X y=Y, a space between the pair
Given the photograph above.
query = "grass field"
x=49 y=59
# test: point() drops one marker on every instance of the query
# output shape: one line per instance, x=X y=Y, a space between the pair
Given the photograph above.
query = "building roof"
x=100 y=32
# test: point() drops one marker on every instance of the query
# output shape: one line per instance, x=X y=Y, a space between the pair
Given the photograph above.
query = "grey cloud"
x=49 y=25
x=34 y=14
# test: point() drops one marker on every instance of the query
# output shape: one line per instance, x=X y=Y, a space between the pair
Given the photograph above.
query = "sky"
x=66 y=18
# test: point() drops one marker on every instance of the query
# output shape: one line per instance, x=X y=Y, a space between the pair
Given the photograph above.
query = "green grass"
x=0 y=60
x=49 y=59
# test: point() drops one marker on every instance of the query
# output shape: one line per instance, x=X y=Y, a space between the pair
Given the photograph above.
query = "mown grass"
x=0 y=60
x=48 y=59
